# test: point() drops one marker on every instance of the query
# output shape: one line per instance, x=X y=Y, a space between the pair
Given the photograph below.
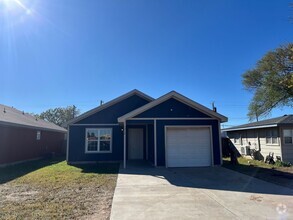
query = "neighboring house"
x=268 y=136
x=171 y=131
x=23 y=137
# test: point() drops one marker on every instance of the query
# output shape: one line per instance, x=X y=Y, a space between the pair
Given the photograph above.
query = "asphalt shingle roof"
x=282 y=120
x=12 y=116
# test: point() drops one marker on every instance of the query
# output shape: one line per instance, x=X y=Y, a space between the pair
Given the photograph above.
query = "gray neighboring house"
x=273 y=135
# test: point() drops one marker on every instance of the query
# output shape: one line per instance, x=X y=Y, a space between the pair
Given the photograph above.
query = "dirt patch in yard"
x=60 y=192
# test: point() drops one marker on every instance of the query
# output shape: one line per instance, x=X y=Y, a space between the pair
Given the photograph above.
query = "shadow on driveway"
x=215 y=178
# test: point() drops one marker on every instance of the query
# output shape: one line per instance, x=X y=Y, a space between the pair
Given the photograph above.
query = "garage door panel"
x=188 y=147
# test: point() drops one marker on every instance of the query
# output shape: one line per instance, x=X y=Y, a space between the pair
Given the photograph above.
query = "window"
x=38 y=135
x=288 y=136
x=272 y=137
x=98 y=140
x=237 y=138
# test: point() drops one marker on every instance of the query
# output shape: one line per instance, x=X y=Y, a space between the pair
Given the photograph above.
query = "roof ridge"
x=13 y=115
x=111 y=102
x=176 y=95
x=284 y=117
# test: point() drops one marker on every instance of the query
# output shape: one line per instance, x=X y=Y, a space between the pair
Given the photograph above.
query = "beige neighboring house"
x=274 y=135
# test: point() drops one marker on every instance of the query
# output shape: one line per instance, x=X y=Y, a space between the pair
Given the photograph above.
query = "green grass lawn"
x=51 y=189
x=271 y=173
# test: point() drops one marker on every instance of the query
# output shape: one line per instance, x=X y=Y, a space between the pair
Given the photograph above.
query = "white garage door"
x=188 y=146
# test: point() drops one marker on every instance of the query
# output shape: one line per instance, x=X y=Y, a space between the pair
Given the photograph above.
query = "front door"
x=135 y=143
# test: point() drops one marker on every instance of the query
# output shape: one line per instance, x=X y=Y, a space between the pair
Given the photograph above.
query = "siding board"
x=20 y=144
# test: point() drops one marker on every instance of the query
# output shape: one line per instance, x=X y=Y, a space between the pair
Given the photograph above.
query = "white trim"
x=110 y=103
x=94 y=125
x=178 y=97
x=155 y=142
x=98 y=148
x=248 y=128
x=124 y=146
x=189 y=126
x=67 y=144
x=134 y=119
x=220 y=143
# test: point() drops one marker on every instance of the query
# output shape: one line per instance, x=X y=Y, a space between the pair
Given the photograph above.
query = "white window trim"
x=98 y=151
x=271 y=138
x=291 y=136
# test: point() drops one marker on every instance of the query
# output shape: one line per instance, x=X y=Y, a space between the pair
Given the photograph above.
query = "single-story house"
x=24 y=137
x=274 y=135
x=171 y=131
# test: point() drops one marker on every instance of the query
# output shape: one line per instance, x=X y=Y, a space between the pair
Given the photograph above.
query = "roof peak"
x=111 y=102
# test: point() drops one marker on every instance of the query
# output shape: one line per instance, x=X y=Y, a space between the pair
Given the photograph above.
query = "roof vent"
x=214 y=107
x=285 y=115
x=4 y=110
x=23 y=112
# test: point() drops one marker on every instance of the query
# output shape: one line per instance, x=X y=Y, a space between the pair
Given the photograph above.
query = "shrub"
x=282 y=164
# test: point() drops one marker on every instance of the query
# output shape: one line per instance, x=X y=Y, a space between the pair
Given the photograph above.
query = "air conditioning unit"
x=245 y=150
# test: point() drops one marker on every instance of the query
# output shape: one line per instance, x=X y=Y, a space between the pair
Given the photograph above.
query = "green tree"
x=271 y=82
x=60 y=116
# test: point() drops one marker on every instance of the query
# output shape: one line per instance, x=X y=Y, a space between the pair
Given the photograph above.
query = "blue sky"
x=64 y=52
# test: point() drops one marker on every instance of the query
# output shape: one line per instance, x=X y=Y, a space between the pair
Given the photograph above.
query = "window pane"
x=104 y=145
x=275 y=133
x=92 y=146
x=288 y=140
x=38 y=135
x=105 y=134
x=275 y=140
x=268 y=140
x=92 y=134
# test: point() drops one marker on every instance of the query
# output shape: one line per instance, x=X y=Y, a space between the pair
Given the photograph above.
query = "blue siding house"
x=171 y=131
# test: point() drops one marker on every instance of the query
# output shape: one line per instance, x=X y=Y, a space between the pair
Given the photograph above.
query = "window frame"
x=291 y=130
x=39 y=135
x=98 y=151
x=271 y=136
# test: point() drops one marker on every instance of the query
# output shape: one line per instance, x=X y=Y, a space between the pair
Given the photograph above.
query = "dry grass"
x=57 y=191
x=278 y=175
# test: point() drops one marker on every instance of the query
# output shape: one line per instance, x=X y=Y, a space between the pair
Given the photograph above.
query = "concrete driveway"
x=197 y=193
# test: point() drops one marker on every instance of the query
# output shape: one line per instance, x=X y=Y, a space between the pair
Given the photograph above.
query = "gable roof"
x=110 y=103
x=272 y=122
x=179 y=97
x=12 y=116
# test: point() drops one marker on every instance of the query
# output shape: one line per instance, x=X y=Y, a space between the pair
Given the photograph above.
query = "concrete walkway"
x=197 y=193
